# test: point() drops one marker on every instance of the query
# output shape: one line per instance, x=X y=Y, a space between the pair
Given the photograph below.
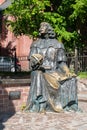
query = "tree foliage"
x=68 y=18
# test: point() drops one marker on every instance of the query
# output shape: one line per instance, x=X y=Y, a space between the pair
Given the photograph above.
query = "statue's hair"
x=50 y=30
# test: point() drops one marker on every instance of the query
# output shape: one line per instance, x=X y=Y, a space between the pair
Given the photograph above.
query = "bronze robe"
x=51 y=89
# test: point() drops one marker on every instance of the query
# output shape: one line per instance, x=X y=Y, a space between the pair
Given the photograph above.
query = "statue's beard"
x=43 y=35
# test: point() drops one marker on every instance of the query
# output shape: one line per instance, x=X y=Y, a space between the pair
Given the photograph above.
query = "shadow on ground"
x=7 y=109
x=4 y=117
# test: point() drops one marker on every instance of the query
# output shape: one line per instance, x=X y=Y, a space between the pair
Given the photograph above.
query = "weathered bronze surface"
x=14 y=95
x=53 y=87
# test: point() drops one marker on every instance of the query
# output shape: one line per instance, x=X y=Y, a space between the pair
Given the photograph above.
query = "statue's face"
x=43 y=28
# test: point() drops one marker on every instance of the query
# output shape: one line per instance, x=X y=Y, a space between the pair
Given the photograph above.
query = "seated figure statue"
x=53 y=87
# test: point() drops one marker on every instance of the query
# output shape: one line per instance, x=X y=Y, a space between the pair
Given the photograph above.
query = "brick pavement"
x=49 y=121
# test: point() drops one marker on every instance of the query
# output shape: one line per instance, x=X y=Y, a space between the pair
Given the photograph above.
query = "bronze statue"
x=53 y=87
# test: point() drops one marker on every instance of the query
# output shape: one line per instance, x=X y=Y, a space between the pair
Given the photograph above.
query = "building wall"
x=21 y=43
x=2 y=1
x=12 y=105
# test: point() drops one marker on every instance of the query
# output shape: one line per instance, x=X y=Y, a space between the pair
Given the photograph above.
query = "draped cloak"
x=51 y=89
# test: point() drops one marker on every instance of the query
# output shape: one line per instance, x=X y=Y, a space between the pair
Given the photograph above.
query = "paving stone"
x=49 y=121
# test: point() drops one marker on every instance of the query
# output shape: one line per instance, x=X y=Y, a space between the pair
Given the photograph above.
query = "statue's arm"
x=33 y=50
x=62 y=64
x=64 y=68
x=61 y=60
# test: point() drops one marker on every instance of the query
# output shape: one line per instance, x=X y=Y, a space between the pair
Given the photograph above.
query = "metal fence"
x=24 y=63
x=75 y=64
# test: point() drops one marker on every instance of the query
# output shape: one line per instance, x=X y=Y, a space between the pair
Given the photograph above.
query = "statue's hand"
x=47 y=67
x=42 y=68
x=36 y=61
x=69 y=74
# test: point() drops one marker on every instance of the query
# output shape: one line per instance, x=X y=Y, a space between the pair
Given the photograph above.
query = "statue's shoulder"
x=36 y=43
x=58 y=44
x=39 y=43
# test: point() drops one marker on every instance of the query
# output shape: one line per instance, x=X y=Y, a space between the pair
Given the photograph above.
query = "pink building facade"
x=2 y=1
x=21 y=43
x=9 y=43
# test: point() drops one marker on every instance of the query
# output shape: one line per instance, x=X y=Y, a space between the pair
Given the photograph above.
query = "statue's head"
x=45 y=28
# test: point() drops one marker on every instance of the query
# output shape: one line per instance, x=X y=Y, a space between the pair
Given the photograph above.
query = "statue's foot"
x=74 y=107
x=43 y=111
x=42 y=107
x=58 y=108
x=34 y=108
x=66 y=108
x=79 y=110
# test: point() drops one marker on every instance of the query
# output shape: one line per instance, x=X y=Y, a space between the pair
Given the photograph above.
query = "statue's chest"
x=47 y=48
x=48 y=53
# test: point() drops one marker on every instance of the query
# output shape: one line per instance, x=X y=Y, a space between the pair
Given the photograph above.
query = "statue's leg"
x=37 y=96
x=69 y=94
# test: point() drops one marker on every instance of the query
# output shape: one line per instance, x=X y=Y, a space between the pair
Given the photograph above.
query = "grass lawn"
x=82 y=74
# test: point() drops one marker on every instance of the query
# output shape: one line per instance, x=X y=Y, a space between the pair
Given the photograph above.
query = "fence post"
x=76 y=60
x=15 y=60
